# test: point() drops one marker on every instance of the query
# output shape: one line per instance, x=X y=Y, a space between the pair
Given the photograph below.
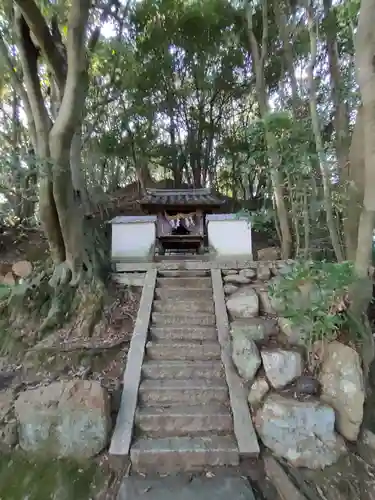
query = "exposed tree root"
x=54 y=295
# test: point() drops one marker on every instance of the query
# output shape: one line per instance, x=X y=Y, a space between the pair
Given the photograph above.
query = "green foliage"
x=262 y=221
x=314 y=296
x=5 y=291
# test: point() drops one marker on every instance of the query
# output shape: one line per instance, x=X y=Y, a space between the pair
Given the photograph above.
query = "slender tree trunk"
x=258 y=59
x=16 y=167
x=354 y=177
x=47 y=208
x=76 y=167
x=365 y=56
x=341 y=120
x=325 y=171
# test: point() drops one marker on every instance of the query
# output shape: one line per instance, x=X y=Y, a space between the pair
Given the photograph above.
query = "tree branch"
x=264 y=32
x=19 y=88
x=28 y=57
x=43 y=36
x=103 y=18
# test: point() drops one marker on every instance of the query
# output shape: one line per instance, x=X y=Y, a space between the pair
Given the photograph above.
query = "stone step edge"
x=160 y=369
x=178 y=410
x=183 y=384
x=184 y=453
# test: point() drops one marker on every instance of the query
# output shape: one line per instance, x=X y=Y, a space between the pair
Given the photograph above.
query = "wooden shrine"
x=180 y=217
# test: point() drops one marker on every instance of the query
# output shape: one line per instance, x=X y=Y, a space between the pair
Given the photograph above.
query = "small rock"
x=295 y=335
x=229 y=288
x=281 y=366
x=368 y=438
x=22 y=268
x=265 y=304
x=227 y=272
x=301 y=432
x=263 y=272
x=308 y=385
x=64 y=419
x=6 y=404
x=284 y=268
x=8 y=279
x=269 y=253
x=236 y=279
x=8 y=435
x=258 y=390
x=343 y=387
x=366 y=446
x=274 y=269
x=257 y=329
x=245 y=356
x=8 y=378
x=248 y=273
x=243 y=304
x=8 y=424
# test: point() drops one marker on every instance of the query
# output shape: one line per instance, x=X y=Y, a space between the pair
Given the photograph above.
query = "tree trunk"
x=354 y=177
x=76 y=168
x=327 y=200
x=365 y=56
x=47 y=208
x=16 y=167
x=61 y=220
x=258 y=59
x=341 y=120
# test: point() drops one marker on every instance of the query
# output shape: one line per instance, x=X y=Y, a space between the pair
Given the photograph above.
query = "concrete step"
x=183 y=293
x=183 y=369
x=204 y=283
x=183 y=333
x=183 y=273
x=203 y=319
x=184 y=306
x=184 y=420
x=193 y=392
x=178 y=454
x=183 y=350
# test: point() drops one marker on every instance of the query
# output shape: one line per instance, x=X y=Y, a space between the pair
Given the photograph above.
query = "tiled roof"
x=178 y=197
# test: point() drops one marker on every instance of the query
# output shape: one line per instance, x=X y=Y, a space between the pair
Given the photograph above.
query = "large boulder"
x=281 y=366
x=301 y=432
x=245 y=356
x=64 y=419
x=342 y=383
x=243 y=304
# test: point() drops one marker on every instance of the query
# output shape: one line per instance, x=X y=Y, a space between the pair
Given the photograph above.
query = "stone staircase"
x=183 y=419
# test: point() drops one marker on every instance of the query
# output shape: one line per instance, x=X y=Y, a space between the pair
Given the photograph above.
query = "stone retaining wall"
x=304 y=403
